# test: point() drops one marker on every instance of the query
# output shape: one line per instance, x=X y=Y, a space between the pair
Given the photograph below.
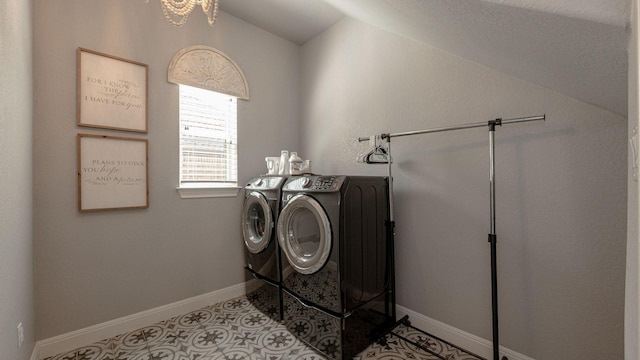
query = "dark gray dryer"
x=335 y=261
x=262 y=254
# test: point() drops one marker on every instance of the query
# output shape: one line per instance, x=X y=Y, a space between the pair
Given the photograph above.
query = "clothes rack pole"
x=492 y=207
x=493 y=240
x=391 y=228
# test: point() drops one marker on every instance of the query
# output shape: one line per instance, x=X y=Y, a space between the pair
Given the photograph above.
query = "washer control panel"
x=315 y=183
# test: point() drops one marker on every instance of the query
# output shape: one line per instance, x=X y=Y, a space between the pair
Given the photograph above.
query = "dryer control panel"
x=266 y=183
x=315 y=183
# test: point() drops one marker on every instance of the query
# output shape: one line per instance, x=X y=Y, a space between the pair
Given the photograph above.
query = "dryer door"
x=304 y=232
x=257 y=222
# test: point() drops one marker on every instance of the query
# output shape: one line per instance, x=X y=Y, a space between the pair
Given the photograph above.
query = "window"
x=208 y=165
x=208 y=139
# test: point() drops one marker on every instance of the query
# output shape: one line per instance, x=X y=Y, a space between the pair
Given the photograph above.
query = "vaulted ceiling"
x=575 y=47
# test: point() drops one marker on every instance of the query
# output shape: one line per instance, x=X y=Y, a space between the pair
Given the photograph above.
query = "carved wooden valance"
x=208 y=68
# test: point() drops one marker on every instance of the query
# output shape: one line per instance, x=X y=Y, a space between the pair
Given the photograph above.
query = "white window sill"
x=207 y=192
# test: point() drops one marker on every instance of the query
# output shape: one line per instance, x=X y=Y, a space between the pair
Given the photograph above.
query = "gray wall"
x=16 y=191
x=95 y=267
x=561 y=189
x=632 y=302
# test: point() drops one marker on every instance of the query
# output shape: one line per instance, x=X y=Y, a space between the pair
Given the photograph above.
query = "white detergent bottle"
x=295 y=164
x=283 y=169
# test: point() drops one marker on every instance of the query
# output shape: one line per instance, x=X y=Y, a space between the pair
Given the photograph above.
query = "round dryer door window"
x=304 y=233
x=257 y=222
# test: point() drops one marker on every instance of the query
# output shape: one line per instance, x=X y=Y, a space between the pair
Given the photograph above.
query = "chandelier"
x=177 y=11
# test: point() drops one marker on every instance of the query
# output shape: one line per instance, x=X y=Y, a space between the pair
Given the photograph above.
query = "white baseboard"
x=465 y=340
x=91 y=334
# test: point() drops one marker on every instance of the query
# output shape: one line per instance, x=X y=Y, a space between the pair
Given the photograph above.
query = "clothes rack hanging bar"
x=491 y=124
x=460 y=127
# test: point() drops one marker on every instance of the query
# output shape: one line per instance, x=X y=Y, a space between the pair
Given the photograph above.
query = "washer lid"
x=257 y=222
x=304 y=233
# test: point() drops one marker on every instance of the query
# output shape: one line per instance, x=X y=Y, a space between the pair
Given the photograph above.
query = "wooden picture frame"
x=112 y=92
x=113 y=172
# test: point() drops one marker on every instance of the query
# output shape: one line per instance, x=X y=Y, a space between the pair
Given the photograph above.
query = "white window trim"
x=197 y=192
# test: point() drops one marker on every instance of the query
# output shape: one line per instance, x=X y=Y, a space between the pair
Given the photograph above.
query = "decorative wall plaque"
x=208 y=68
x=112 y=172
x=112 y=92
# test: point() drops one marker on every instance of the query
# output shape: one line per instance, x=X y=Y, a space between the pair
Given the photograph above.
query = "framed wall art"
x=112 y=172
x=112 y=92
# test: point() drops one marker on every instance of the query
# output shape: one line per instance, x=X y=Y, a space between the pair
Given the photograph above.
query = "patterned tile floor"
x=235 y=330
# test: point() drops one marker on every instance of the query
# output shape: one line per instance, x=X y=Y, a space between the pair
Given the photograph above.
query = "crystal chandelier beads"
x=177 y=11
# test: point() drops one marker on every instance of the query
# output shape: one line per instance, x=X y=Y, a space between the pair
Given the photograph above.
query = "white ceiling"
x=295 y=20
x=576 y=47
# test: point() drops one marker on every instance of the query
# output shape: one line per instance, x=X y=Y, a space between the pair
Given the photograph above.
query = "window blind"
x=208 y=137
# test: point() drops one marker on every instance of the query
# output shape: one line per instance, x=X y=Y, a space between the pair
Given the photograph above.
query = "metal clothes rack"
x=491 y=124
